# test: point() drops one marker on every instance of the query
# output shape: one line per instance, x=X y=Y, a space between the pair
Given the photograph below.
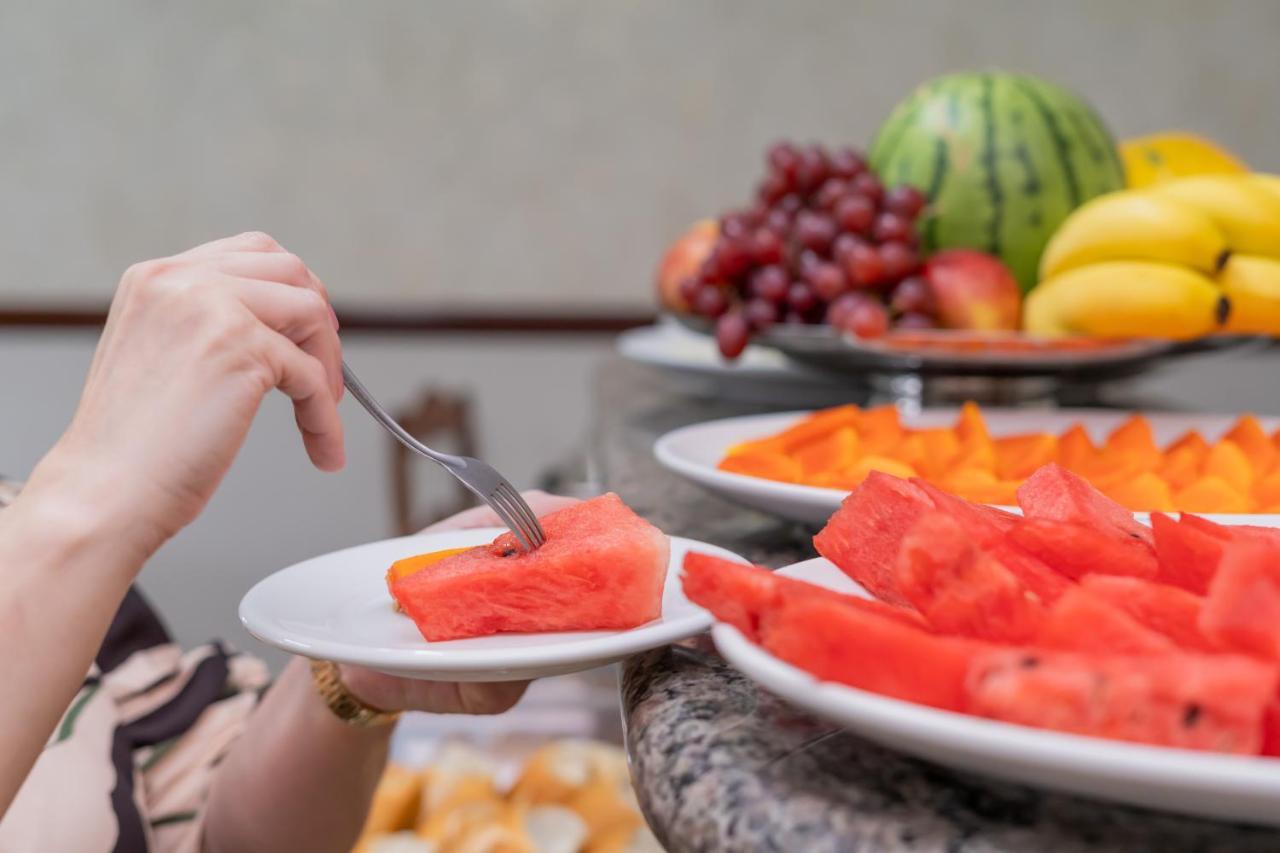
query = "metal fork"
x=485 y=482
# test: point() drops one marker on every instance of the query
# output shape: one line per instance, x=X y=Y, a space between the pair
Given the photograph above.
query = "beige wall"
x=518 y=150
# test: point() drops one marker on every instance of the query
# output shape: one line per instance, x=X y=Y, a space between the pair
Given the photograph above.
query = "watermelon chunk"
x=1081 y=622
x=1167 y=610
x=985 y=524
x=1271 y=729
x=1187 y=553
x=961 y=589
x=869 y=651
x=863 y=535
x=1191 y=701
x=1076 y=550
x=1242 y=610
x=1042 y=581
x=740 y=594
x=602 y=568
x=1054 y=493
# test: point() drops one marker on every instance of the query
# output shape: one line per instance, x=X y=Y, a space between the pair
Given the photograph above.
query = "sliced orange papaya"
x=766 y=464
x=879 y=429
x=970 y=425
x=1018 y=456
x=1250 y=437
x=1076 y=450
x=1210 y=494
x=1181 y=467
x=811 y=428
x=834 y=452
x=1136 y=442
x=1144 y=493
x=1228 y=461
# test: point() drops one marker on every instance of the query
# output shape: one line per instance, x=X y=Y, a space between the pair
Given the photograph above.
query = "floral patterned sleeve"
x=129 y=766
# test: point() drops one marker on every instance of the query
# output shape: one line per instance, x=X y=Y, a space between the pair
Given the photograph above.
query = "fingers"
x=249 y=241
x=482 y=516
x=303 y=379
x=388 y=693
x=299 y=314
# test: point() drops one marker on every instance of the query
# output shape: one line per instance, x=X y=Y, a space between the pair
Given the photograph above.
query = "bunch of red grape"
x=823 y=242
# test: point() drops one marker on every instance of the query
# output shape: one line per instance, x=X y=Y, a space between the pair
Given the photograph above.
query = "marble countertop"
x=721 y=765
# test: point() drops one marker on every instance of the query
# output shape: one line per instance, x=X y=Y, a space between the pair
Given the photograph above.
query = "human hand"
x=191 y=346
x=389 y=693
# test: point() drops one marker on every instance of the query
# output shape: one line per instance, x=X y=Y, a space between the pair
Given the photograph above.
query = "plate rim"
x=602 y=646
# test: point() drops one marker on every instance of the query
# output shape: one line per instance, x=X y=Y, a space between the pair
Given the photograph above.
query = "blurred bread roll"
x=394 y=806
x=556 y=771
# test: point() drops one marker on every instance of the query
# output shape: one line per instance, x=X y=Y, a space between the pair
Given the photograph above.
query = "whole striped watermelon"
x=1002 y=157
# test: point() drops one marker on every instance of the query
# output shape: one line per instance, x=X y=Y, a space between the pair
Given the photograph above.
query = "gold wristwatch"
x=342 y=702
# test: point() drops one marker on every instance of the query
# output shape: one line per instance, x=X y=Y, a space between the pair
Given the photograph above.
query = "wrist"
x=331 y=682
x=81 y=500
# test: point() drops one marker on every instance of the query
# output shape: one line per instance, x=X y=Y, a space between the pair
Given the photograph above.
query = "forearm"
x=298 y=778
x=61 y=580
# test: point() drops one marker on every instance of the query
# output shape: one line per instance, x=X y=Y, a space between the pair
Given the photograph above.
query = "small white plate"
x=1228 y=787
x=336 y=607
x=694 y=451
x=759 y=376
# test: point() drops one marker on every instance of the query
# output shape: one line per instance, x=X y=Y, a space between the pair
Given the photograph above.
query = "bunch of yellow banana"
x=1178 y=259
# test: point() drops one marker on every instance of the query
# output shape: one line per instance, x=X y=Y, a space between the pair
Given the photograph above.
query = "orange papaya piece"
x=1266 y=491
x=1018 y=456
x=1210 y=494
x=1110 y=467
x=1143 y=493
x=981 y=485
x=1228 y=461
x=1190 y=440
x=1250 y=437
x=1076 y=450
x=1181 y=466
x=1134 y=440
x=834 y=452
x=851 y=478
x=970 y=426
x=811 y=428
x=941 y=446
x=879 y=429
x=766 y=464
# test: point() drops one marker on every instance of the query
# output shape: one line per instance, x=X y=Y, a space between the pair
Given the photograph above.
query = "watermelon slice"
x=1191 y=701
x=853 y=646
x=863 y=535
x=1076 y=550
x=961 y=589
x=1054 y=493
x=1167 y=610
x=1187 y=551
x=601 y=568
x=1271 y=729
x=740 y=594
x=1242 y=610
x=1042 y=581
x=1081 y=622
x=985 y=524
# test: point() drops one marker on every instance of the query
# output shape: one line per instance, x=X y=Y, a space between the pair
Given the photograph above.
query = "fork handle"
x=373 y=407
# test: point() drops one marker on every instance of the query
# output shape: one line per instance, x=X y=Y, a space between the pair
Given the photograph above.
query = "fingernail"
x=334 y=315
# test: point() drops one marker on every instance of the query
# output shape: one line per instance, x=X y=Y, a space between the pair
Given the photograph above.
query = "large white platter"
x=336 y=607
x=1197 y=783
x=694 y=451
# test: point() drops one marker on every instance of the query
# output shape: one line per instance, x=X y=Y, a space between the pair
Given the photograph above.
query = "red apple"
x=973 y=290
x=682 y=261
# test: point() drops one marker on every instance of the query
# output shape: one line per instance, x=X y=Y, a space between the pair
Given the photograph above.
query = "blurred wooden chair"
x=442 y=420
